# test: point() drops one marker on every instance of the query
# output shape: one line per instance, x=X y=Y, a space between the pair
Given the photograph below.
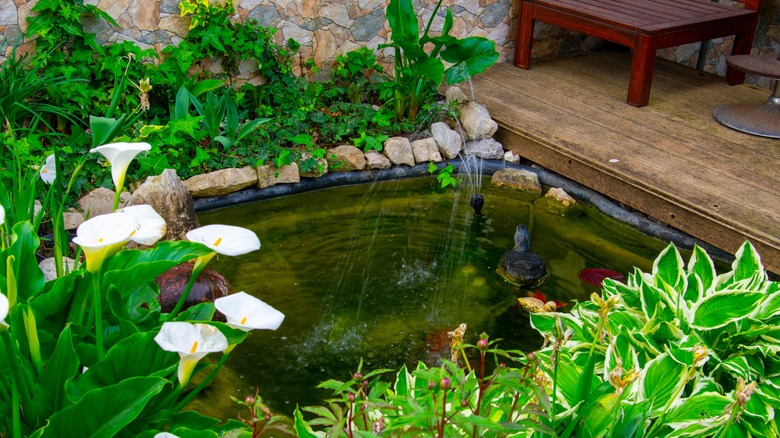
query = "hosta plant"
x=679 y=351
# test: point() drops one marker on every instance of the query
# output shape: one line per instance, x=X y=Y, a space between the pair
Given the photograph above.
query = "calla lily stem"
x=98 y=304
x=194 y=393
x=200 y=264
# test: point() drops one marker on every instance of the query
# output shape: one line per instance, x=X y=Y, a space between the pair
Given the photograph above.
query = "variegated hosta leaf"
x=701 y=266
x=771 y=305
x=721 y=308
x=747 y=264
x=749 y=368
x=668 y=267
x=704 y=384
x=661 y=378
x=545 y=324
x=769 y=391
x=702 y=409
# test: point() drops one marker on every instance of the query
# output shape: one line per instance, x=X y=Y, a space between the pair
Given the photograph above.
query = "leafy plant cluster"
x=73 y=93
x=680 y=351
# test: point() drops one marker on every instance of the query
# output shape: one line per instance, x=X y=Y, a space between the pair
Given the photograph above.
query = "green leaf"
x=698 y=407
x=403 y=23
x=431 y=68
x=724 y=307
x=137 y=356
x=105 y=411
x=29 y=278
x=661 y=377
x=470 y=56
x=701 y=266
x=301 y=427
x=747 y=263
x=49 y=395
x=404 y=382
x=668 y=267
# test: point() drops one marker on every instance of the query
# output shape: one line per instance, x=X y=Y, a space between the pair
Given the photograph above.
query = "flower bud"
x=357 y=376
x=250 y=400
x=445 y=383
x=431 y=385
x=464 y=403
x=351 y=397
x=482 y=344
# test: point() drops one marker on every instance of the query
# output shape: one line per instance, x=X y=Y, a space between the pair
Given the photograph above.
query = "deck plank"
x=676 y=163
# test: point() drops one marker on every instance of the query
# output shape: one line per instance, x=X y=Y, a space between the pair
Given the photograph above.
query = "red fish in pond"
x=596 y=276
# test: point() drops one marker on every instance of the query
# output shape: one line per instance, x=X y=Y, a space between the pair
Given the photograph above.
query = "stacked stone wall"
x=327 y=28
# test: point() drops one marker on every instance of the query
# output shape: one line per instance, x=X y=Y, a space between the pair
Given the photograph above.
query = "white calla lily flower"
x=226 y=239
x=120 y=155
x=4 y=305
x=192 y=342
x=165 y=435
x=245 y=312
x=2 y=214
x=152 y=226
x=49 y=170
x=103 y=236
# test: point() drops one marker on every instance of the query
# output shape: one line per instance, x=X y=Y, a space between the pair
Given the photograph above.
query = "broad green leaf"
x=403 y=383
x=668 y=267
x=105 y=411
x=769 y=307
x=599 y=416
x=629 y=295
x=721 y=308
x=403 y=23
x=747 y=263
x=301 y=427
x=29 y=278
x=697 y=408
x=470 y=57
x=206 y=85
x=56 y=294
x=701 y=266
x=661 y=378
x=431 y=68
x=49 y=394
x=136 y=356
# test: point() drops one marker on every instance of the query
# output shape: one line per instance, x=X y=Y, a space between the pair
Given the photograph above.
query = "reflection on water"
x=380 y=272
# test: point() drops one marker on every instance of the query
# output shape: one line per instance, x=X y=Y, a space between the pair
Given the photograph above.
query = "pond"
x=380 y=272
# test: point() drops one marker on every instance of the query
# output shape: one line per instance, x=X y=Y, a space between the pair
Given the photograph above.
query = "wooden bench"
x=645 y=26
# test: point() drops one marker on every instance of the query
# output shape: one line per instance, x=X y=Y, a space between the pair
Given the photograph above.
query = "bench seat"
x=645 y=26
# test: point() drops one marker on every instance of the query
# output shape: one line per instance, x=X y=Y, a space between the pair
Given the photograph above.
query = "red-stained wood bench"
x=644 y=26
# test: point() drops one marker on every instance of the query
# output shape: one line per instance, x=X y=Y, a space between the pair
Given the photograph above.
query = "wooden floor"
x=670 y=159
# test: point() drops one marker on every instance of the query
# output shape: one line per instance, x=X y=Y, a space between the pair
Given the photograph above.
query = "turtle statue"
x=521 y=267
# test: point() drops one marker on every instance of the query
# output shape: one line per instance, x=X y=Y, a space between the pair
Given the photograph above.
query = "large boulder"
x=399 y=151
x=101 y=201
x=208 y=286
x=517 y=179
x=345 y=158
x=425 y=150
x=447 y=140
x=169 y=197
x=269 y=175
x=488 y=149
x=221 y=182
x=476 y=121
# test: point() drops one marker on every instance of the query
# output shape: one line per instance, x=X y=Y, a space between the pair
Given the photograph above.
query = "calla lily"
x=192 y=342
x=3 y=310
x=103 y=236
x=120 y=155
x=49 y=170
x=152 y=226
x=165 y=435
x=226 y=239
x=245 y=312
x=2 y=214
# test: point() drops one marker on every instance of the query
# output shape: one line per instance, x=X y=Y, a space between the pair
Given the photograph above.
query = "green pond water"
x=380 y=272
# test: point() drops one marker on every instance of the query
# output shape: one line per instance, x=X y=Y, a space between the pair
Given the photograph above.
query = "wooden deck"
x=670 y=159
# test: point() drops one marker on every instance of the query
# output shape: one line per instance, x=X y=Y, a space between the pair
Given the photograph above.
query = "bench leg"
x=525 y=36
x=642 y=66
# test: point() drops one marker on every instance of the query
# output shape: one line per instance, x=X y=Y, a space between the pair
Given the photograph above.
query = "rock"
x=476 y=121
x=447 y=140
x=425 y=150
x=557 y=201
x=377 y=160
x=221 y=182
x=71 y=219
x=399 y=151
x=345 y=158
x=101 y=201
x=488 y=149
x=209 y=286
x=511 y=157
x=169 y=197
x=517 y=179
x=50 y=270
x=269 y=175
x=560 y=195
x=319 y=169
x=455 y=95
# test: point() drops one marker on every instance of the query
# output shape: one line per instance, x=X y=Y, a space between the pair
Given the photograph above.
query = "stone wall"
x=327 y=28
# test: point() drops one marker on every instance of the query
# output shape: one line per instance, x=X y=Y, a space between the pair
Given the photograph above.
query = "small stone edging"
x=489 y=167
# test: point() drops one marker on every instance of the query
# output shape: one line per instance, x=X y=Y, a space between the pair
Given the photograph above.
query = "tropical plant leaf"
x=470 y=57
x=722 y=308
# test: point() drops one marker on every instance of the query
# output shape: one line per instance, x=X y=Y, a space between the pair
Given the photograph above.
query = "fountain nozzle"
x=476 y=202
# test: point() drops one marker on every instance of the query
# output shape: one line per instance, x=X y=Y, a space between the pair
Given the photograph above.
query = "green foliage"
x=444 y=177
x=419 y=72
